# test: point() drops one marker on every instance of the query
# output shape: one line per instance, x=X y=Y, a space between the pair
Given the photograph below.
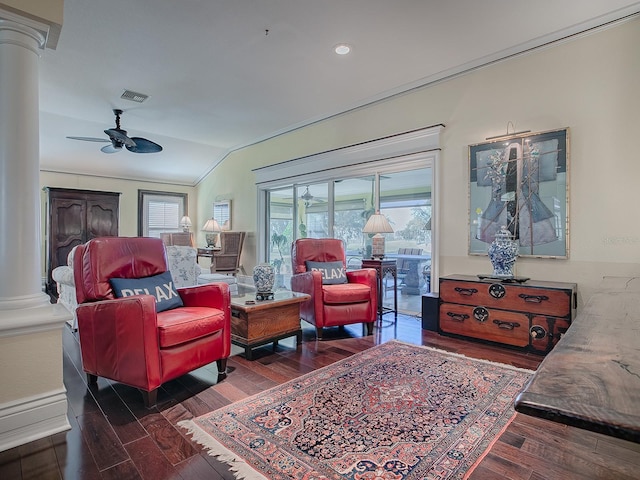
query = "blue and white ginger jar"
x=503 y=252
x=263 y=277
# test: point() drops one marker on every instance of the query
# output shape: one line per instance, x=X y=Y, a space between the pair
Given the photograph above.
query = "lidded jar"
x=263 y=277
x=503 y=252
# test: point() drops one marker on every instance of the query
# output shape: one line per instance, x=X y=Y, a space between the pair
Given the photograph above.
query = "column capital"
x=9 y=29
x=45 y=34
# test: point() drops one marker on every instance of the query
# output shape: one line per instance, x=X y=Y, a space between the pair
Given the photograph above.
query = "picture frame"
x=521 y=181
x=222 y=214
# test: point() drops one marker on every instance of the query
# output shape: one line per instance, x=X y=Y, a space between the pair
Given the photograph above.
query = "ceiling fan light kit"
x=118 y=139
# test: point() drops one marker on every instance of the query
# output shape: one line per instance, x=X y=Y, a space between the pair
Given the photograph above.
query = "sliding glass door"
x=352 y=206
x=405 y=199
x=281 y=214
x=340 y=207
x=313 y=211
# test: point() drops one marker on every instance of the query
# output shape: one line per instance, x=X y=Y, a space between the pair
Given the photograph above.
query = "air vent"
x=134 y=96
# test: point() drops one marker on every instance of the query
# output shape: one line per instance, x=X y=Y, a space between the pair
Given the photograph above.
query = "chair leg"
x=222 y=369
x=369 y=327
x=319 y=333
x=150 y=398
x=92 y=379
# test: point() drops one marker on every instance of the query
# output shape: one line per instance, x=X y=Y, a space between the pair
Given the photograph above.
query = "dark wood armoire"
x=75 y=217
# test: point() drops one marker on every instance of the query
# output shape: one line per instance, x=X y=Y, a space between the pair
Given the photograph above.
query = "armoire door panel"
x=68 y=219
x=102 y=220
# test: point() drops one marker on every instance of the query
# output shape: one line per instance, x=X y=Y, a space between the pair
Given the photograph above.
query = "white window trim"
x=145 y=196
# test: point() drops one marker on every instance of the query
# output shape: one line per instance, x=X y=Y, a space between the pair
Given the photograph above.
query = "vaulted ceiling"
x=224 y=74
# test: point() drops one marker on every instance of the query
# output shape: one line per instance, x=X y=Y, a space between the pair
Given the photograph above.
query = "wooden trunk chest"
x=530 y=315
x=255 y=323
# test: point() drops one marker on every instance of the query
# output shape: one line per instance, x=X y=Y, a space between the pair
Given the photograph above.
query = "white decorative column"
x=20 y=245
x=33 y=401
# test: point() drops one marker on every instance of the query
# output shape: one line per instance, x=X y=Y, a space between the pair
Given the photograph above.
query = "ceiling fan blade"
x=119 y=136
x=91 y=139
x=142 y=145
x=110 y=149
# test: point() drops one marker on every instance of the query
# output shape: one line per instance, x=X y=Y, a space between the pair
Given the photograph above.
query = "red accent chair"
x=124 y=339
x=332 y=305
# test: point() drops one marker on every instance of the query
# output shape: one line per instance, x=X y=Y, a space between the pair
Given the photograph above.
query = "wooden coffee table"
x=266 y=321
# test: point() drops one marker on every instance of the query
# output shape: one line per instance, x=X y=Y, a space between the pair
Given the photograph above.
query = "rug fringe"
x=460 y=355
x=489 y=447
x=240 y=469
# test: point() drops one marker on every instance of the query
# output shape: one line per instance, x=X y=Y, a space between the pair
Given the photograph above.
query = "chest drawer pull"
x=457 y=317
x=481 y=314
x=533 y=298
x=506 y=325
x=496 y=290
x=467 y=292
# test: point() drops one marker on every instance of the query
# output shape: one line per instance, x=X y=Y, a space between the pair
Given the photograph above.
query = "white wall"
x=587 y=84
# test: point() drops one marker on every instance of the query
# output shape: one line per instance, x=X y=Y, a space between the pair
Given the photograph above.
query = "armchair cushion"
x=159 y=286
x=349 y=293
x=332 y=272
x=177 y=326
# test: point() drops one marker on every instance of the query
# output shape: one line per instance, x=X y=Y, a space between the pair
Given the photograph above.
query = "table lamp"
x=211 y=227
x=185 y=223
x=377 y=224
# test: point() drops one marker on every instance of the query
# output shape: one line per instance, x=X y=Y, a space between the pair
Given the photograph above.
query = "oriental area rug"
x=394 y=411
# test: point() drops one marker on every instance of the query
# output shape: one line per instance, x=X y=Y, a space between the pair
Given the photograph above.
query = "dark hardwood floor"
x=114 y=437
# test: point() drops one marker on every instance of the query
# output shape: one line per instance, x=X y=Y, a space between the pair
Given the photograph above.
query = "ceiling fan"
x=118 y=139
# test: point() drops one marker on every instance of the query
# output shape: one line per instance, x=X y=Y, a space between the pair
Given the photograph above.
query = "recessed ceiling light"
x=342 y=49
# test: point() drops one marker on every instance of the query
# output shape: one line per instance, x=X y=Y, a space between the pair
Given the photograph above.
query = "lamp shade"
x=211 y=225
x=185 y=223
x=377 y=223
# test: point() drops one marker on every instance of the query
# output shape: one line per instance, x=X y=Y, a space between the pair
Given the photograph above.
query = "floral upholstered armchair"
x=63 y=276
x=185 y=271
x=183 y=265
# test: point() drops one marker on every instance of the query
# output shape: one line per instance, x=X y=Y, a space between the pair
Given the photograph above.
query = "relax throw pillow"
x=160 y=286
x=332 y=272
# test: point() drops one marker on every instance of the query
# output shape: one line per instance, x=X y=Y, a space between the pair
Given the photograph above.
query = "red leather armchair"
x=332 y=305
x=124 y=339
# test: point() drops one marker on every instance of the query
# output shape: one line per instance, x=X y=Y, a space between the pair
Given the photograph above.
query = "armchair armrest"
x=366 y=276
x=119 y=339
x=66 y=286
x=215 y=295
x=311 y=284
x=63 y=275
x=306 y=282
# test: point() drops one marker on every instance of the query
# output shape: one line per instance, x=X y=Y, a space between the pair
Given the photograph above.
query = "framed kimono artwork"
x=521 y=182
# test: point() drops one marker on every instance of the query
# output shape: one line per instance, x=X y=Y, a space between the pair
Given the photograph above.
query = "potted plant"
x=278 y=240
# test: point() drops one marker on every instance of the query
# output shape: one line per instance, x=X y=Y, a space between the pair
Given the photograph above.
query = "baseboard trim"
x=33 y=418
